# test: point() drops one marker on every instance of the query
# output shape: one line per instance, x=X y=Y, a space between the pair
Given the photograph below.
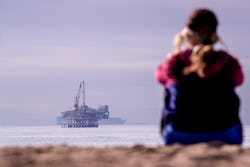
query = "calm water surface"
x=108 y=135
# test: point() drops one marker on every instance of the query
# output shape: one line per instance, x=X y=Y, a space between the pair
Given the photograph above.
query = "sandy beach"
x=198 y=155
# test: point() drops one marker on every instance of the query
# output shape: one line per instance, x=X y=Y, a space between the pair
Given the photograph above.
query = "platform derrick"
x=82 y=115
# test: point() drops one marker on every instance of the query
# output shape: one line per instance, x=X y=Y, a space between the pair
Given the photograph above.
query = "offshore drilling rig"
x=82 y=115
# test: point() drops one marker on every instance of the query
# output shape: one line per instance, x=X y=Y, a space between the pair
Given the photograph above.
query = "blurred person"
x=201 y=104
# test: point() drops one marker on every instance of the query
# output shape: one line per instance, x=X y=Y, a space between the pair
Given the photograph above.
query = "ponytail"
x=201 y=59
x=205 y=62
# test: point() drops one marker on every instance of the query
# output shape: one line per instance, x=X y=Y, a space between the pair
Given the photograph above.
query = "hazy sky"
x=48 y=47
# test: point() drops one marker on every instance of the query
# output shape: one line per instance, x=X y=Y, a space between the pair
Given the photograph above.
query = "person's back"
x=206 y=106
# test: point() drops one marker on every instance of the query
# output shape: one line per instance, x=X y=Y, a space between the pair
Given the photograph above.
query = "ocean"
x=104 y=135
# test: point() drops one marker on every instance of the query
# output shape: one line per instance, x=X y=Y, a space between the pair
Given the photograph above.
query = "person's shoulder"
x=225 y=53
x=182 y=55
x=175 y=59
x=231 y=58
x=185 y=54
x=179 y=53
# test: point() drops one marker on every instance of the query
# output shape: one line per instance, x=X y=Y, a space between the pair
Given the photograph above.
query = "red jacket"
x=170 y=70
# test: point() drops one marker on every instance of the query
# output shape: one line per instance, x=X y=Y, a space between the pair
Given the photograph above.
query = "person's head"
x=201 y=28
x=200 y=33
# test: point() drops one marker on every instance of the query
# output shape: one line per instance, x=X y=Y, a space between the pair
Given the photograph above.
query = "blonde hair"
x=205 y=62
x=192 y=38
x=189 y=37
x=200 y=61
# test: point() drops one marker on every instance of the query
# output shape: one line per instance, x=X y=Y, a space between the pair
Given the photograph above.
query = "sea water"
x=104 y=135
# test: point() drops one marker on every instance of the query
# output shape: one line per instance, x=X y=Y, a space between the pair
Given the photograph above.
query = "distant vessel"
x=82 y=115
x=112 y=121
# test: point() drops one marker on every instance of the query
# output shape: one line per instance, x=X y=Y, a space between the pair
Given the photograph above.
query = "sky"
x=48 y=47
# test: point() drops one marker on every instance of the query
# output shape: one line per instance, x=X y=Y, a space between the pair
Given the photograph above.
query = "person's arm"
x=161 y=73
x=171 y=70
x=237 y=73
x=165 y=73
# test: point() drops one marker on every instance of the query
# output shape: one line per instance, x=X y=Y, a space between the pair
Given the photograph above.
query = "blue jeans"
x=232 y=135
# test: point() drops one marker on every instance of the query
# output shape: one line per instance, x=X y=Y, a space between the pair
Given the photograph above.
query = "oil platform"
x=82 y=115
